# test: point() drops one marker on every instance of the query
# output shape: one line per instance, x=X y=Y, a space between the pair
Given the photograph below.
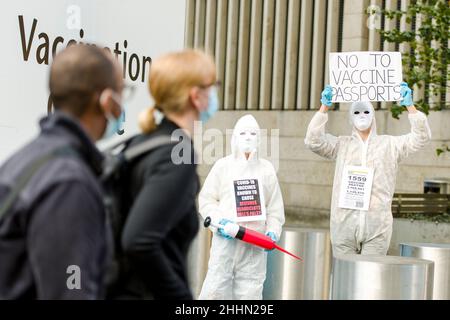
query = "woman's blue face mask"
x=213 y=105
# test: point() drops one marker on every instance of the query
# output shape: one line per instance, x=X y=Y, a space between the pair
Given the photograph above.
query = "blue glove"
x=222 y=232
x=327 y=95
x=272 y=236
x=406 y=94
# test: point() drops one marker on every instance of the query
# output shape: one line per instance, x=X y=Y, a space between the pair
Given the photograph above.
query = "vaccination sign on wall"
x=365 y=76
x=33 y=32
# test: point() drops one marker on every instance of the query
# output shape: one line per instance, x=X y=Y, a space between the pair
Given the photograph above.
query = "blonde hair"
x=171 y=78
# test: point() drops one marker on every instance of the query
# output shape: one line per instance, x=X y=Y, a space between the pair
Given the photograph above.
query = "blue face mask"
x=213 y=106
x=114 y=126
x=121 y=129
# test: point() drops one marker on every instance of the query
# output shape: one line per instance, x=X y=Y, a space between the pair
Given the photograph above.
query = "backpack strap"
x=130 y=153
x=141 y=148
x=29 y=172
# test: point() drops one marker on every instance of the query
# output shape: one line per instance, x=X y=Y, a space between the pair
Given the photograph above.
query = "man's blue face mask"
x=213 y=106
x=114 y=126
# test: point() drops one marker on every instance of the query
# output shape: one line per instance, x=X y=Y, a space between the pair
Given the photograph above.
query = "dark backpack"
x=115 y=180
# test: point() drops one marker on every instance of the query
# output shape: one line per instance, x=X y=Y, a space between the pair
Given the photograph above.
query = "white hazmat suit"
x=365 y=231
x=237 y=270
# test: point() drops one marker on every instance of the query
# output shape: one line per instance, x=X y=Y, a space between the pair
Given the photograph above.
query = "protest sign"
x=365 y=76
x=249 y=200
x=356 y=188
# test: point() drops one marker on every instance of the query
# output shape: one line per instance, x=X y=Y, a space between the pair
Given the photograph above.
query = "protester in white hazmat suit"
x=236 y=269
x=364 y=231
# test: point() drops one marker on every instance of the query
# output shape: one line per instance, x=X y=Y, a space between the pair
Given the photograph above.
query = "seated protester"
x=53 y=235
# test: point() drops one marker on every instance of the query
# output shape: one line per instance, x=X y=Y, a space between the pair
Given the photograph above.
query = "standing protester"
x=53 y=234
x=163 y=183
x=237 y=270
x=365 y=231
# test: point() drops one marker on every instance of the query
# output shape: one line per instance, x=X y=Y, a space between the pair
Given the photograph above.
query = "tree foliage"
x=427 y=63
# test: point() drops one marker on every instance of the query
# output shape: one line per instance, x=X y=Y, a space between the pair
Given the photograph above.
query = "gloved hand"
x=272 y=236
x=406 y=94
x=222 y=232
x=327 y=95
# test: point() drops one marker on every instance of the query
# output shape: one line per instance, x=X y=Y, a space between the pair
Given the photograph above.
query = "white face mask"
x=362 y=116
x=247 y=140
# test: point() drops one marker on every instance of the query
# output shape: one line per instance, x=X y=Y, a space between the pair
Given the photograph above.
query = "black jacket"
x=163 y=220
x=58 y=220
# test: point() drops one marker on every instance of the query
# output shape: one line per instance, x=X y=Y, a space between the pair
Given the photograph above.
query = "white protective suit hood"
x=362 y=121
x=246 y=138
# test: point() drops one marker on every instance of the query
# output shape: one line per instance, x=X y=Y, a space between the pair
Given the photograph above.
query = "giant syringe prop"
x=247 y=235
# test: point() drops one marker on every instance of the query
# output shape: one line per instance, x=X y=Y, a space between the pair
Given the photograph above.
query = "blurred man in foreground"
x=53 y=233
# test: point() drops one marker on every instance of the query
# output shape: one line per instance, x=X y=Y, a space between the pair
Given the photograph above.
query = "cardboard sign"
x=356 y=188
x=365 y=76
x=249 y=198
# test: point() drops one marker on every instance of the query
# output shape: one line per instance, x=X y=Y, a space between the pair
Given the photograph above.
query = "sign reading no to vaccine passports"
x=365 y=76
x=33 y=32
